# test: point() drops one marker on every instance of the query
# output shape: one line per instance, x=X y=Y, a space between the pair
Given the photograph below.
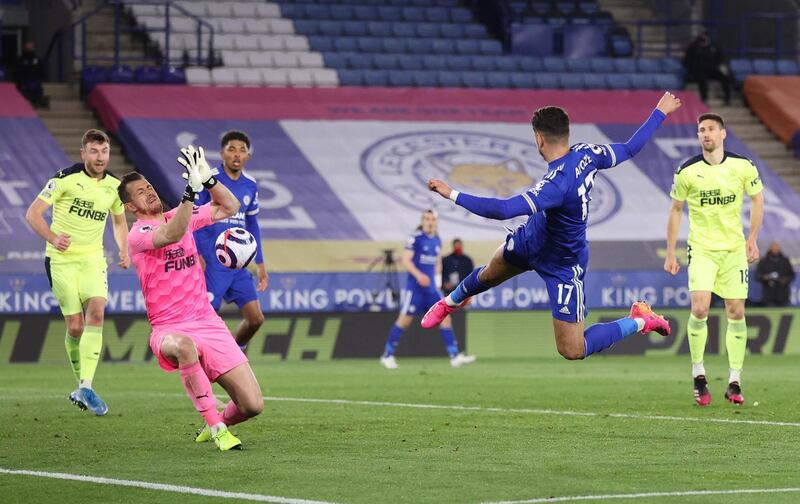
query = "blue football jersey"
x=246 y=191
x=560 y=201
x=426 y=254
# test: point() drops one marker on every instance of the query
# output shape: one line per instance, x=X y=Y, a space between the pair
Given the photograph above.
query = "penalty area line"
x=534 y=411
x=688 y=493
x=205 y=492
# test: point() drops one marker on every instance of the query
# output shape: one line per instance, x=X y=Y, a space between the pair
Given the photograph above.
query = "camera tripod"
x=388 y=268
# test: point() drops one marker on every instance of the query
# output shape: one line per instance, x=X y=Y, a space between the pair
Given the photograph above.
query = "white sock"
x=216 y=428
x=698 y=369
x=449 y=301
x=85 y=384
x=736 y=376
x=639 y=323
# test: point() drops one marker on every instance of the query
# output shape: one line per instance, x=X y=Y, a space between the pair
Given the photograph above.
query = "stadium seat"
x=342 y=12
x=474 y=31
x=376 y=77
x=424 y=79
x=435 y=62
x=554 y=64
x=671 y=65
x=322 y=44
x=396 y=45
x=172 y=75
x=354 y=28
x=498 y=80
x=244 y=10
x=385 y=61
x=400 y=78
x=425 y=30
x=350 y=77
x=473 y=79
x=360 y=60
x=764 y=66
x=437 y=15
x=404 y=30
x=460 y=15
x=523 y=80
x=453 y=31
x=547 y=81
x=228 y=25
x=389 y=13
x=275 y=77
x=291 y=43
x=410 y=62
x=267 y=10
x=301 y=77
x=146 y=75
x=594 y=81
x=365 y=12
x=625 y=65
x=330 y=28
x=483 y=64
x=259 y=59
x=310 y=60
x=787 y=67
x=642 y=81
x=449 y=79
x=491 y=47
x=505 y=63
x=570 y=81
x=219 y=9
x=468 y=47
x=345 y=44
x=618 y=81
x=530 y=64
x=121 y=74
x=222 y=76
x=235 y=59
x=602 y=64
x=281 y=27
x=579 y=65
x=198 y=76
x=668 y=81
x=325 y=77
x=459 y=63
x=420 y=46
x=284 y=60
x=443 y=46
x=249 y=77
x=648 y=65
x=413 y=14
x=248 y=42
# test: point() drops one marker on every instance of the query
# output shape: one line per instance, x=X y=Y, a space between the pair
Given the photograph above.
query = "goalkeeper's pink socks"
x=198 y=387
x=232 y=416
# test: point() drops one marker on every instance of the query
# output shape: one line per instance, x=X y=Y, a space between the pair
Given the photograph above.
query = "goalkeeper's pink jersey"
x=172 y=279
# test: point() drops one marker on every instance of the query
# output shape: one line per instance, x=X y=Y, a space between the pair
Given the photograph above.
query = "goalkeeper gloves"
x=194 y=181
x=197 y=158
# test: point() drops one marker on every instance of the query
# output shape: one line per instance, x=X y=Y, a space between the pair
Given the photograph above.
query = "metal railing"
x=118 y=6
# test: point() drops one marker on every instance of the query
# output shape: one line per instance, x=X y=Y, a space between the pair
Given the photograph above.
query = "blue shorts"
x=416 y=302
x=563 y=277
x=234 y=286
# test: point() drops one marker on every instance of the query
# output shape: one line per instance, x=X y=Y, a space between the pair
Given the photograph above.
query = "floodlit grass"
x=371 y=453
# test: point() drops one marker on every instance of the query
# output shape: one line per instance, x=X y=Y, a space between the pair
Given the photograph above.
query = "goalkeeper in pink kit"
x=188 y=336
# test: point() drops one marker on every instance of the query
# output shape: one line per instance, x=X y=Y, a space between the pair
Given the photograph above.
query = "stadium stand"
x=776 y=101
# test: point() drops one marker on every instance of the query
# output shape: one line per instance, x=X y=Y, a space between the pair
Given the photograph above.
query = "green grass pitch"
x=506 y=448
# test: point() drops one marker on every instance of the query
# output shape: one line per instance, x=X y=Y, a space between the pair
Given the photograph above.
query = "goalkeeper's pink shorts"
x=215 y=345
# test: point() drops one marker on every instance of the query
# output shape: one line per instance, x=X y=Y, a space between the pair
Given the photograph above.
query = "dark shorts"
x=234 y=286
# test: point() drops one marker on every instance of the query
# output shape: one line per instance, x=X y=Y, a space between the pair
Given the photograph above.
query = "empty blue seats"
x=355 y=28
x=376 y=77
x=379 y=28
x=787 y=67
x=385 y=61
x=172 y=75
x=443 y=46
x=642 y=81
x=335 y=59
x=467 y=46
x=602 y=64
x=530 y=64
x=452 y=31
x=554 y=64
x=305 y=26
x=350 y=77
x=435 y=61
x=491 y=47
x=330 y=28
x=474 y=30
x=547 y=81
x=121 y=73
x=358 y=60
x=504 y=63
x=473 y=79
x=763 y=66
x=437 y=15
x=671 y=65
x=342 y=12
x=366 y=44
x=415 y=14
x=427 y=30
x=449 y=79
x=460 y=15
x=625 y=65
x=317 y=11
x=365 y=12
x=320 y=43
x=389 y=13
x=483 y=63
x=741 y=66
x=648 y=65
x=579 y=65
x=147 y=75
x=406 y=30
x=570 y=80
x=618 y=81
x=594 y=81
x=400 y=78
x=424 y=79
x=523 y=80
x=498 y=80
x=292 y=11
x=459 y=63
x=419 y=46
x=346 y=44
x=410 y=62
x=668 y=81
x=395 y=45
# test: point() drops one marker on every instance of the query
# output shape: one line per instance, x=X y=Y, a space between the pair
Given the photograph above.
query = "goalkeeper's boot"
x=438 y=312
x=203 y=435
x=734 y=393
x=701 y=394
x=652 y=320
x=226 y=441
x=93 y=401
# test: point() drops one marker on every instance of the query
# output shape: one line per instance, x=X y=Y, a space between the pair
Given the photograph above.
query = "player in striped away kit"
x=188 y=335
x=553 y=240
x=234 y=285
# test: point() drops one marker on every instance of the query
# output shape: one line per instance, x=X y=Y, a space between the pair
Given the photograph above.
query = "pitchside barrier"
x=325 y=336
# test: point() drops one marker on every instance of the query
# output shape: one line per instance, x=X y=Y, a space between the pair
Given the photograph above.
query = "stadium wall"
x=325 y=336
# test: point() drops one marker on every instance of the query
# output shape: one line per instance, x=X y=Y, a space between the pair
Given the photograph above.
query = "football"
x=235 y=248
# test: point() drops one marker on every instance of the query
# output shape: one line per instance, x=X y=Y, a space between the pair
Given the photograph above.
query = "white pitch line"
x=532 y=411
x=206 y=492
x=688 y=493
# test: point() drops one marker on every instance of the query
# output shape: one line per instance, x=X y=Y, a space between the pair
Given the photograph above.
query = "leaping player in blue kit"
x=235 y=285
x=553 y=240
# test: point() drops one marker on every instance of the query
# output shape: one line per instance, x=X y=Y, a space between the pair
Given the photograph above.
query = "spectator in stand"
x=776 y=274
x=455 y=267
x=29 y=75
x=704 y=60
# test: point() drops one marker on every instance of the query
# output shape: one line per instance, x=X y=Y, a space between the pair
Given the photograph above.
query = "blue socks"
x=449 y=340
x=598 y=337
x=395 y=333
x=470 y=286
